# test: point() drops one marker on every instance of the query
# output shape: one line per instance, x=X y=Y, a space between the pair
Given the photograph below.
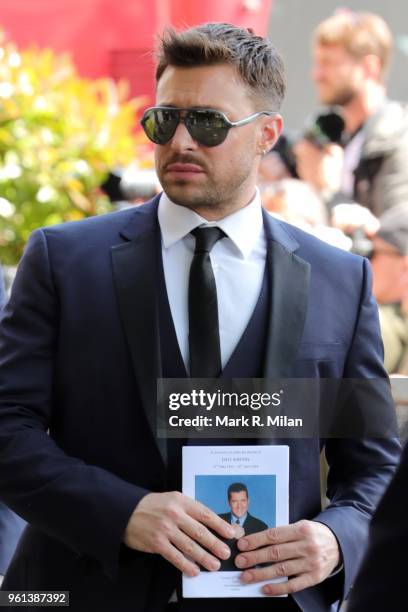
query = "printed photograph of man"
x=241 y=519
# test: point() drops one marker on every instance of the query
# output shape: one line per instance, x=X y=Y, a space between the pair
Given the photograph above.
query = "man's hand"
x=174 y=526
x=306 y=552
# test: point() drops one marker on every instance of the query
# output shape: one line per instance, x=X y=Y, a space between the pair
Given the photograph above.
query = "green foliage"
x=59 y=136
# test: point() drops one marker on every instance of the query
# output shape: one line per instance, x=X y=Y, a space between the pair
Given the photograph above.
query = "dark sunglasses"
x=208 y=127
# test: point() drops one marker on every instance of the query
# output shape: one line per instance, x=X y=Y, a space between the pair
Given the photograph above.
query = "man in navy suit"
x=10 y=524
x=238 y=501
x=100 y=309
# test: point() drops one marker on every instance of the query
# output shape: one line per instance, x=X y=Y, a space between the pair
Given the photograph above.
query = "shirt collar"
x=243 y=227
x=242 y=518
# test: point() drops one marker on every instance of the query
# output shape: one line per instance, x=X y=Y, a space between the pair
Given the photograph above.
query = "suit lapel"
x=135 y=274
x=289 y=277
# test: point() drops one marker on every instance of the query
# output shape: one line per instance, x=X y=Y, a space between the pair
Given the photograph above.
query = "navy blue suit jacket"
x=79 y=358
x=10 y=525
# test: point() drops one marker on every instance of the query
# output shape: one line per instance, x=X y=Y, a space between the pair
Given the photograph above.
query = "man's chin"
x=326 y=99
x=186 y=195
x=342 y=98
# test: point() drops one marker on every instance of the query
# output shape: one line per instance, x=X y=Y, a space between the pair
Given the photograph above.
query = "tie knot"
x=206 y=237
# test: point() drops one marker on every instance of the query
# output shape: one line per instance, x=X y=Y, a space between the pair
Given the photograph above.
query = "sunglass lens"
x=160 y=124
x=208 y=128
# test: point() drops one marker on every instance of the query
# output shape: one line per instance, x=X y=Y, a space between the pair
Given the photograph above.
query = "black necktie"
x=238 y=521
x=204 y=337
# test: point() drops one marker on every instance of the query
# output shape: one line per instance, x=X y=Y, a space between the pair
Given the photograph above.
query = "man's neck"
x=218 y=213
x=240 y=518
x=362 y=107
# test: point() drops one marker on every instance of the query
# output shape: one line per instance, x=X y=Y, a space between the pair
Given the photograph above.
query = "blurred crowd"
x=345 y=179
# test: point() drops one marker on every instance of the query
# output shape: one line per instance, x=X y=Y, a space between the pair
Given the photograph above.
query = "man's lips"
x=187 y=168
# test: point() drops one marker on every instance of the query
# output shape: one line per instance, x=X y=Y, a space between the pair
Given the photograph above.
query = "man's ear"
x=271 y=129
x=372 y=66
x=404 y=300
x=405 y=270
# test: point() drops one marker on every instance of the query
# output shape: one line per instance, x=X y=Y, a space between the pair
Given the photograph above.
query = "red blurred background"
x=115 y=38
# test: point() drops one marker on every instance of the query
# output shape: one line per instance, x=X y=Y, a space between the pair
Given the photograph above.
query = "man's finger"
x=273 y=535
x=304 y=581
x=283 y=569
x=204 y=515
x=271 y=554
x=176 y=558
x=198 y=532
x=194 y=551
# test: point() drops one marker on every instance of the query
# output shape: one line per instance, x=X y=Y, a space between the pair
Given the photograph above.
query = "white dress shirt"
x=238 y=262
x=352 y=155
x=241 y=519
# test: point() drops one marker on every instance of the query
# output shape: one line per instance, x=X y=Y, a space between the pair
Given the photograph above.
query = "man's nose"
x=182 y=140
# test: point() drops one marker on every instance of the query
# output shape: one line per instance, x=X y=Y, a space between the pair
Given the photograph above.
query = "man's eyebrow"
x=216 y=108
x=196 y=107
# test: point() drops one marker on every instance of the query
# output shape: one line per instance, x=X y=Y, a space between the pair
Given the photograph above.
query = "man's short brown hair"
x=359 y=33
x=256 y=60
x=237 y=487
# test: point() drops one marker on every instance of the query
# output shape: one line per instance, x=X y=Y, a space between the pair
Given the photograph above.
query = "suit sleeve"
x=390 y=185
x=37 y=479
x=361 y=468
x=382 y=179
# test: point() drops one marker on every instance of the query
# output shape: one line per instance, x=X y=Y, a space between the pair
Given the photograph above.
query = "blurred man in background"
x=351 y=55
x=390 y=286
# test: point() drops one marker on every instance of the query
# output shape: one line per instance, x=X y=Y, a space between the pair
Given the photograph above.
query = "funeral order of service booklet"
x=247 y=486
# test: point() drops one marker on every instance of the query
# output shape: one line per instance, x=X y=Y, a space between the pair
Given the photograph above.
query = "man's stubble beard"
x=340 y=97
x=212 y=195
